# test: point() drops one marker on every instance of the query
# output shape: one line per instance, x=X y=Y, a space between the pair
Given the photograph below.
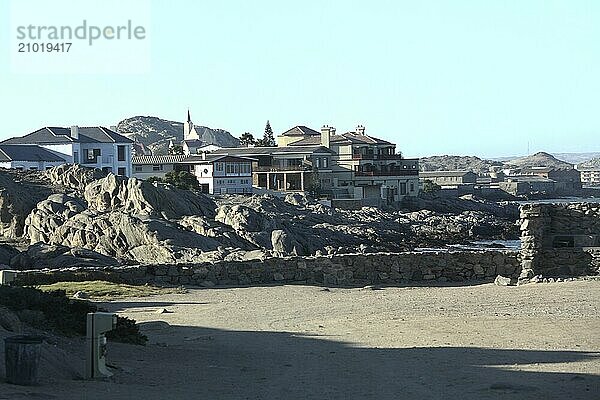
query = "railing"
x=396 y=172
x=274 y=168
x=361 y=156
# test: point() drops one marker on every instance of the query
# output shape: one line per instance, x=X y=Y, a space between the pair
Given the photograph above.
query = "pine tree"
x=268 y=139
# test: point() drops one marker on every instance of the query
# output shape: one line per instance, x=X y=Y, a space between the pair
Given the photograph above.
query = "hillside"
x=155 y=133
x=540 y=159
x=456 y=163
x=591 y=163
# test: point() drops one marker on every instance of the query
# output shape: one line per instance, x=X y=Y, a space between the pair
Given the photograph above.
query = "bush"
x=179 y=179
x=63 y=315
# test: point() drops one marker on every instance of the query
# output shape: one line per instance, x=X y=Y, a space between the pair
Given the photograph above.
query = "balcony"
x=276 y=168
x=372 y=156
x=394 y=172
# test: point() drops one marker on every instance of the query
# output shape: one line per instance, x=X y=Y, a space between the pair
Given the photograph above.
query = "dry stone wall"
x=560 y=240
x=335 y=270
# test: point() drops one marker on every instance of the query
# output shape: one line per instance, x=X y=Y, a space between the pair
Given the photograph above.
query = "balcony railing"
x=395 y=172
x=277 y=168
x=371 y=156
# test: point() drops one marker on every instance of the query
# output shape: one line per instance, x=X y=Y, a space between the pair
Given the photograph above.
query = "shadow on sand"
x=183 y=362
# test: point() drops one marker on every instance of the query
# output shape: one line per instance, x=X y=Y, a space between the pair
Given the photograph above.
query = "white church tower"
x=189 y=132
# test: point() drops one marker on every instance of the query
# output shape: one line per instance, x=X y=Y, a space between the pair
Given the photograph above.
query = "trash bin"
x=22 y=357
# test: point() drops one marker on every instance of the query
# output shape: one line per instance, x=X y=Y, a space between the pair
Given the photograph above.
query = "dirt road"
x=297 y=342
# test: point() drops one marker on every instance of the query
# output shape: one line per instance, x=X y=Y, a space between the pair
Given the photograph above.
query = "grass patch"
x=107 y=290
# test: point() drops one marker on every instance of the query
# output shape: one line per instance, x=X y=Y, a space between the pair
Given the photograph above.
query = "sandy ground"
x=299 y=342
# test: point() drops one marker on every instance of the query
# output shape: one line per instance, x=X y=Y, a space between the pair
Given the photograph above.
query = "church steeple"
x=189 y=133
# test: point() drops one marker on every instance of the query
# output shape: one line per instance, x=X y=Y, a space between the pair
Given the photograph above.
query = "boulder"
x=504 y=281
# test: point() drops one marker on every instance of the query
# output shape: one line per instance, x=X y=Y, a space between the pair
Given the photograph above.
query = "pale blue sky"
x=436 y=77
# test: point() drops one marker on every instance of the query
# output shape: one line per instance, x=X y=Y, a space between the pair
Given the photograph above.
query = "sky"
x=487 y=78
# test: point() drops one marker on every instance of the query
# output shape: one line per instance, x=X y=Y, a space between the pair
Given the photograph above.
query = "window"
x=158 y=167
x=403 y=188
x=412 y=186
x=219 y=166
x=121 y=171
x=325 y=162
x=75 y=157
x=33 y=168
x=121 y=153
x=318 y=162
x=138 y=168
x=91 y=155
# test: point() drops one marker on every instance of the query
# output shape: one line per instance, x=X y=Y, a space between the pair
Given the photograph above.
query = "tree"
x=179 y=179
x=313 y=183
x=430 y=186
x=247 y=139
x=268 y=139
x=176 y=149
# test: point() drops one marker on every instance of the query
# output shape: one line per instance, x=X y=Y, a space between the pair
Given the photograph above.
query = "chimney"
x=360 y=130
x=326 y=133
x=75 y=132
x=204 y=155
x=113 y=128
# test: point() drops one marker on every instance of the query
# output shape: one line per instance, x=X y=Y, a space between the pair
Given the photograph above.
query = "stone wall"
x=560 y=240
x=335 y=270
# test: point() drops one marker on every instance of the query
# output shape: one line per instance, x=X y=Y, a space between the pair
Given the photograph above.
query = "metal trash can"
x=22 y=357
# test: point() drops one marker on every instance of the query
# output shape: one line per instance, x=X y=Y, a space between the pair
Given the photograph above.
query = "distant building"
x=95 y=147
x=568 y=181
x=28 y=157
x=523 y=185
x=449 y=178
x=222 y=173
x=590 y=176
x=145 y=167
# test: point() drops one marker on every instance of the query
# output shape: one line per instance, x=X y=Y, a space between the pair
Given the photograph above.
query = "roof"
x=528 y=178
x=434 y=174
x=194 y=142
x=210 y=158
x=300 y=130
x=148 y=160
x=348 y=137
x=263 y=151
x=58 y=135
x=14 y=152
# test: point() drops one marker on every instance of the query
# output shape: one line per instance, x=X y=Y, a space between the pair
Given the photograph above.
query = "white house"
x=28 y=157
x=222 y=174
x=94 y=147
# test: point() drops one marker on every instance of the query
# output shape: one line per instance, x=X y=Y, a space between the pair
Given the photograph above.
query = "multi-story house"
x=28 y=157
x=221 y=173
x=590 y=176
x=96 y=147
x=287 y=169
x=363 y=167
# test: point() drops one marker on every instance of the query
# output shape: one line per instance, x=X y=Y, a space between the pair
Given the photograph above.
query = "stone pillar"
x=302 y=180
x=285 y=181
x=534 y=221
x=268 y=181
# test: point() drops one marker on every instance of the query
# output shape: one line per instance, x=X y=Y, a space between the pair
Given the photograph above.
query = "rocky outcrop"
x=19 y=194
x=134 y=196
x=73 y=176
x=41 y=255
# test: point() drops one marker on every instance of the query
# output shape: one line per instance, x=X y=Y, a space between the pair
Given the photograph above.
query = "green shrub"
x=63 y=315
